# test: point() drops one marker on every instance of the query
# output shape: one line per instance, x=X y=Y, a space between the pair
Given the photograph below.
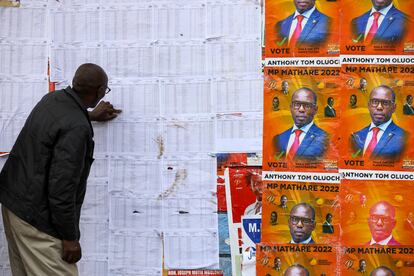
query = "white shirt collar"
x=383 y=11
x=383 y=242
x=306 y=14
x=305 y=128
x=302 y=242
x=382 y=127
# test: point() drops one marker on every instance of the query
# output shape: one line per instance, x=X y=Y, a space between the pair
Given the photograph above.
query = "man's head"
x=303 y=5
x=277 y=262
x=381 y=220
x=353 y=100
x=303 y=106
x=363 y=83
x=382 y=271
x=301 y=222
x=362 y=264
x=330 y=101
x=380 y=4
x=296 y=270
x=285 y=85
x=410 y=216
x=254 y=180
x=381 y=104
x=273 y=218
x=90 y=83
x=283 y=200
x=275 y=103
x=409 y=99
x=329 y=217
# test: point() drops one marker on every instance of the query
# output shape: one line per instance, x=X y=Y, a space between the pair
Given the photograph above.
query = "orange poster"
x=291 y=260
x=377 y=27
x=357 y=261
x=377 y=212
x=301 y=118
x=377 y=117
x=301 y=212
x=301 y=28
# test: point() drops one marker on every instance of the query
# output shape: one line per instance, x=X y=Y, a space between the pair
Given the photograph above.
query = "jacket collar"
x=68 y=90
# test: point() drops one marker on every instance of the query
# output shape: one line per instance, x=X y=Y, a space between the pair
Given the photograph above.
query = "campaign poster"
x=10 y=3
x=251 y=235
x=376 y=27
x=370 y=260
x=296 y=28
x=377 y=213
x=301 y=212
x=301 y=118
x=296 y=259
x=377 y=115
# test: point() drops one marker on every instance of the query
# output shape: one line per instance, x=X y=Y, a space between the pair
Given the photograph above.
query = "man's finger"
x=117 y=111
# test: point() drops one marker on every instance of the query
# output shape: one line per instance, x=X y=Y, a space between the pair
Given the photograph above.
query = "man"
x=408 y=108
x=296 y=270
x=277 y=264
x=301 y=223
x=381 y=222
x=382 y=271
x=327 y=226
x=382 y=24
x=353 y=101
x=283 y=202
x=382 y=139
x=275 y=104
x=363 y=85
x=285 y=87
x=254 y=180
x=273 y=218
x=362 y=266
x=43 y=182
x=304 y=140
x=306 y=27
x=329 y=109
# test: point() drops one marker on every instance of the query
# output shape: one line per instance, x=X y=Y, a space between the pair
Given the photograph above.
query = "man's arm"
x=66 y=167
x=104 y=111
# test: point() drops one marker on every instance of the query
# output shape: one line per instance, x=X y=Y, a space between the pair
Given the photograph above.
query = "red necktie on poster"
x=373 y=143
x=295 y=145
x=374 y=28
x=298 y=30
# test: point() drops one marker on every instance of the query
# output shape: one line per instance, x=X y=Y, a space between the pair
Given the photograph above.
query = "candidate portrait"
x=296 y=270
x=305 y=27
x=302 y=223
x=381 y=222
x=382 y=138
x=304 y=140
x=382 y=271
x=383 y=23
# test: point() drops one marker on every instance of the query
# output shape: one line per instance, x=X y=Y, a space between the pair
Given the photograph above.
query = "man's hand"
x=72 y=251
x=104 y=111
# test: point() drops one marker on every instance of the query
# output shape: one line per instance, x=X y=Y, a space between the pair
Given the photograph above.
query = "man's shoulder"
x=317 y=130
x=320 y=14
x=395 y=12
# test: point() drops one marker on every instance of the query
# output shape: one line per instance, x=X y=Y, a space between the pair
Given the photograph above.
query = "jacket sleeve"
x=67 y=164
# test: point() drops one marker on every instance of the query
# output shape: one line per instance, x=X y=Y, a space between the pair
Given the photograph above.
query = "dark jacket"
x=44 y=179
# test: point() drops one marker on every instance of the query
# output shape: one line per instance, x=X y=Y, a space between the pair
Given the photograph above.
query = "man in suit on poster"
x=329 y=109
x=254 y=180
x=408 y=108
x=382 y=138
x=304 y=140
x=305 y=27
x=381 y=222
x=383 y=23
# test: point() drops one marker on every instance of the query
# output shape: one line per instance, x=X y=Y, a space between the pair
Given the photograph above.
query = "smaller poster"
x=294 y=259
x=377 y=212
x=373 y=27
x=251 y=233
x=301 y=212
x=301 y=28
x=366 y=260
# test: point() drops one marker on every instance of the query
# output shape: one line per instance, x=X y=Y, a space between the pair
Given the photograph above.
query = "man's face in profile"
x=301 y=223
x=363 y=83
x=296 y=271
x=304 y=5
x=303 y=107
x=380 y=4
x=256 y=186
x=381 y=220
x=381 y=105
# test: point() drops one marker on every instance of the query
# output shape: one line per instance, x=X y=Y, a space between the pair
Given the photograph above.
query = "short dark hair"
x=328 y=215
x=408 y=97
